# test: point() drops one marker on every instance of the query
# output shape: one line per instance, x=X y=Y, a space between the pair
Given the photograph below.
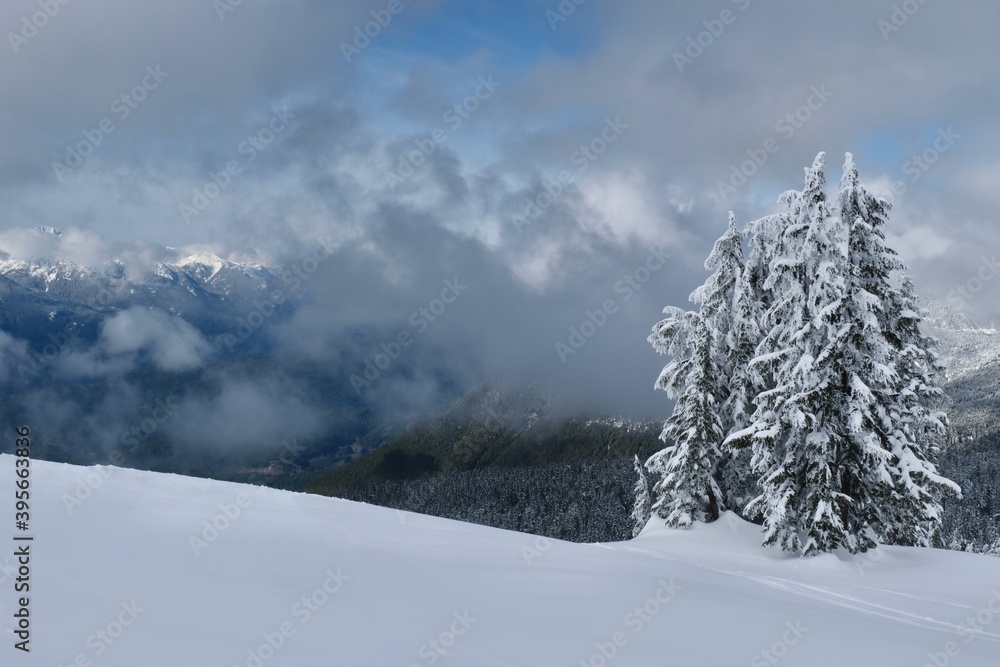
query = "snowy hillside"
x=134 y=574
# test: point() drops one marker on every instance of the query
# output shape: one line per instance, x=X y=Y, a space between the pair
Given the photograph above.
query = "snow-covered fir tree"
x=715 y=298
x=688 y=489
x=728 y=307
x=742 y=331
x=799 y=435
x=642 y=505
x=895 y=383
x=729 y=341
x=742 y=335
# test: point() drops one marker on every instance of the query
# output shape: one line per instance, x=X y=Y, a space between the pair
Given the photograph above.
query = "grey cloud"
x=245 y=415
x=82 y=247
x=136 y=337
x=172 y=343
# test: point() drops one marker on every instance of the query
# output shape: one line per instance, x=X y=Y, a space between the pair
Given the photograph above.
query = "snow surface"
x=401 y=583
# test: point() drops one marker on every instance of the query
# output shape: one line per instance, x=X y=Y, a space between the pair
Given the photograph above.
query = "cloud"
x=245 y=415
x=172 y=343
x=135 y=337
x=82 y=247
x=13 y=355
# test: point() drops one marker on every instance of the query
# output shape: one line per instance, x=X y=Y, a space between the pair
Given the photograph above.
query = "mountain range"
x=42 y=297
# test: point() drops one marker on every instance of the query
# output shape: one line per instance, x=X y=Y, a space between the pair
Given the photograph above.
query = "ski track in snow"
x=841 y=600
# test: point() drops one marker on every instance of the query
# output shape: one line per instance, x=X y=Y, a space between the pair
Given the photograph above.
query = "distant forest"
x=591 y=501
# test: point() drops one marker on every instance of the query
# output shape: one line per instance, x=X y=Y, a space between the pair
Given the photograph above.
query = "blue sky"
x=517 y=31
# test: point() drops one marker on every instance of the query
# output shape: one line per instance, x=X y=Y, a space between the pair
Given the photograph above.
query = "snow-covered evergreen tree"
x=798 y=436
x=715 y=296
x=744 y=332
x=642 y=505
x=742 y=338
x=895 y=382
x=765 y=239
x=688 y=490
x=726 y=343
x=771 y=241
x=844 y=436
x=724 y=307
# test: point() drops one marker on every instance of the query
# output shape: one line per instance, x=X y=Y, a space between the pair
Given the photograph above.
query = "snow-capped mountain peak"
x=205 y=264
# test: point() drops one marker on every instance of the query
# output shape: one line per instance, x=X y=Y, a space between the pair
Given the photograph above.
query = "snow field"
x=295 y=579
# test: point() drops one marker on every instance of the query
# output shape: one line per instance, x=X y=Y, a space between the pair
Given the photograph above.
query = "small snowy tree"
x=731 y=304
x=715 y=298
x=714 y=333
x=727 y=312
x=642 y=506
x=688 y=490
x=753 y=302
